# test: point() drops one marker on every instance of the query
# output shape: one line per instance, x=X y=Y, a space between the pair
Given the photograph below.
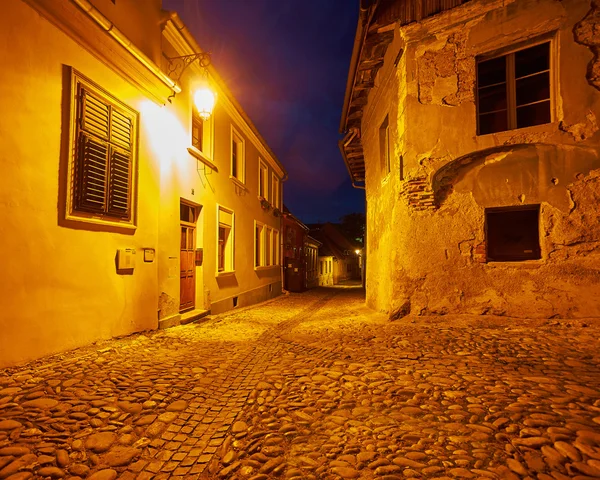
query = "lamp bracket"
x=178 y=65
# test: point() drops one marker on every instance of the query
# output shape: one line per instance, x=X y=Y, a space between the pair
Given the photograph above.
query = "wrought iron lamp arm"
x=178 y=65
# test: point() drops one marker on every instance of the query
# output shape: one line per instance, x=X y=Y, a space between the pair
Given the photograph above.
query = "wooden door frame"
x=193 y=226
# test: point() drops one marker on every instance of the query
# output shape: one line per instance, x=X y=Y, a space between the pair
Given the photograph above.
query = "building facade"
x=474 y=129
x=123 y=210
x=343 y=254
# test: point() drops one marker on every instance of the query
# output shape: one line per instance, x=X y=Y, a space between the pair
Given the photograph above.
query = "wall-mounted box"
x=125 y=258
x=149 y=255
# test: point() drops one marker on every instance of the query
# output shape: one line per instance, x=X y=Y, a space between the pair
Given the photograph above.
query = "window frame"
x=207 y=147
x=511 y=107
x=78 y=84
x=228 y=252
x=536 y=252
x=240 y=157
x=263 y=174
x=266 y=246
x=384 y=147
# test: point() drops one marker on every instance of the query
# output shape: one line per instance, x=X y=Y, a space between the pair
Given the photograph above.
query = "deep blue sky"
x=286 y=62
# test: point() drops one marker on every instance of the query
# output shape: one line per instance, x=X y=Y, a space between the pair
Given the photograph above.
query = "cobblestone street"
x=311 y=386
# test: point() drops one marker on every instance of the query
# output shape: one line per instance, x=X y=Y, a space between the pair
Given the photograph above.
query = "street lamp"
x=204 y=97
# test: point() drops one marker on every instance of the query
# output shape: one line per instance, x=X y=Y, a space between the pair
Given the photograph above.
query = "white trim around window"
x=266 y=246
x=263 y=177
x=225 y=241
x=237 y=164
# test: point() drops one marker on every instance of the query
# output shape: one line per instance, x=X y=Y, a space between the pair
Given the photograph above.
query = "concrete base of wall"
x=182 y=318
x=266 y=292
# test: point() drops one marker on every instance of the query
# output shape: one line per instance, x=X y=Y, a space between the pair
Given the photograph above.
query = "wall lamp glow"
x=204 y=97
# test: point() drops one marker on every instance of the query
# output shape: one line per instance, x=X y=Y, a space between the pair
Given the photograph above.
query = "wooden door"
x=187 y=269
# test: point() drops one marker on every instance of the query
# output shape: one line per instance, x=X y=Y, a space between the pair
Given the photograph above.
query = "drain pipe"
x=93 y=13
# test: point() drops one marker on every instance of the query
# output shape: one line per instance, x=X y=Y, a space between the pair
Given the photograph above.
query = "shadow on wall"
x=513 y=174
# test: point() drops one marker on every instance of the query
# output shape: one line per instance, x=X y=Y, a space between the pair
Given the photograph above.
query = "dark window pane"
x=535 y=114
x=513 y=235
x=491 y=72
x=493 y=122
x=532 y=60
x=533 y=89
x=492 y=98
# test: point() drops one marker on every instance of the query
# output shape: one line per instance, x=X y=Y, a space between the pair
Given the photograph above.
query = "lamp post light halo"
x=204 y=101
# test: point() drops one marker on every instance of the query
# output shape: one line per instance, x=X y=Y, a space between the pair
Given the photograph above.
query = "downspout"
x=120 y=37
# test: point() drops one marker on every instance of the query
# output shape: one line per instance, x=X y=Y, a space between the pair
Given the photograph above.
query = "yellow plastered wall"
x=59 y=284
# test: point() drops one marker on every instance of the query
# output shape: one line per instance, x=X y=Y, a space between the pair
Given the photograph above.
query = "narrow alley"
x=312 y=386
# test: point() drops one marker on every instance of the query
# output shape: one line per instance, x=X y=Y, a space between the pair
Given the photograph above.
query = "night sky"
x=286 y=62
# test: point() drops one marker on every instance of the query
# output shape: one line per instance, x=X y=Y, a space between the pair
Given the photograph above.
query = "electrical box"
x=199 y=257
x=125 y=258
x=149 y=254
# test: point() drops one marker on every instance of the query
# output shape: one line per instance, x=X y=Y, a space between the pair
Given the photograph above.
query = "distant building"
x=123 y=209
x=299 y=254
x=474 y=127
x=340 y=257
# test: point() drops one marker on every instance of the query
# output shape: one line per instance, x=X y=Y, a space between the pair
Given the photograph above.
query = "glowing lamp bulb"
x=204 y=99
x=357 y=251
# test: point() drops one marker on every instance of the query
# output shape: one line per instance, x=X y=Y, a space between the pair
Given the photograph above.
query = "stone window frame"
x=510 y=50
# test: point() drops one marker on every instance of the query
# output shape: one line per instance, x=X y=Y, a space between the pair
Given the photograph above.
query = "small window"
x=262 y=179
x=225 y=241
x=513 y=91
x=275 y=191
x=275 y=248
x=187 y=213
x=237 y=156
x=197 y=131
x=384 y=146
x=268 y=246
x=512 y=234
x=104 y=155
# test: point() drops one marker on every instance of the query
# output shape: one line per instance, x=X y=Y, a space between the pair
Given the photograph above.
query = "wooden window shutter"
x=90 y=185
x=120 y=175
x=103 y=163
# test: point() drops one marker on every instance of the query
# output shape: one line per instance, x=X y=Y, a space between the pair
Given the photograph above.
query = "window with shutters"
x=102 y=170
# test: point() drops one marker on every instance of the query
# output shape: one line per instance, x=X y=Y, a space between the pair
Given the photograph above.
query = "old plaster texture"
x=426 y=218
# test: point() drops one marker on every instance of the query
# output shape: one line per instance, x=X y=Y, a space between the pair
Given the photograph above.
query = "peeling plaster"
x=583 y=130
x=587 y=32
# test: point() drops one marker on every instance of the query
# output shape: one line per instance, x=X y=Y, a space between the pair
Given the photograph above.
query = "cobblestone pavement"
x=312 y=386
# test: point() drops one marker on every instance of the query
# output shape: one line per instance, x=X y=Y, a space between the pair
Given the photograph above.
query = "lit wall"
x=59 y=285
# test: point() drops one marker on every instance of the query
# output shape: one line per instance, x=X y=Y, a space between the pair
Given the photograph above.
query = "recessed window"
x=512 y=234
x=384 y=146
x=258 y=244
x=237 y=156
x=262 y=179
x=104 y=155
x=266 y=245
x=513 y=90
x=225 y=241
x=197 y=131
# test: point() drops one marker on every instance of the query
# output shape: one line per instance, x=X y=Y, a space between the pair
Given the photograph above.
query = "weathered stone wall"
x=426 y=232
